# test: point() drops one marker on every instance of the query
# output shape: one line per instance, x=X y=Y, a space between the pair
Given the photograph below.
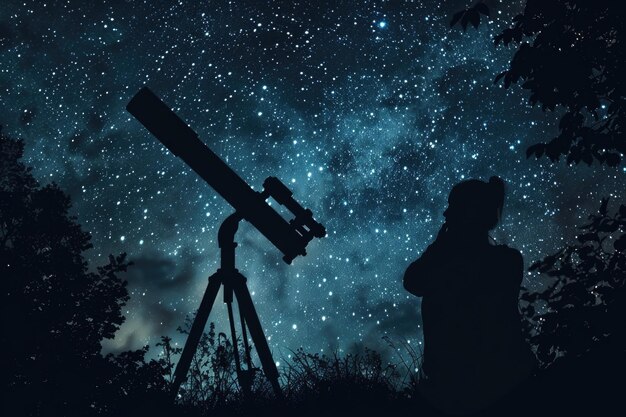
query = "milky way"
x=369 y=110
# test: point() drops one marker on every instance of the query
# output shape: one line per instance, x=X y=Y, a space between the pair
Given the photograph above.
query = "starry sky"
x=369 y=110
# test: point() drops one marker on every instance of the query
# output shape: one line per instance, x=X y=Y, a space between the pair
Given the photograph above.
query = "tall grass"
x=308 y=380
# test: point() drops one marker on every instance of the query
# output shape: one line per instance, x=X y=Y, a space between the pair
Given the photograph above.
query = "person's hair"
x=477 y=203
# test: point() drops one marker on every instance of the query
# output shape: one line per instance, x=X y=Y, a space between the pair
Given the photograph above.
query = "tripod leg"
x=195 y=333
x=247 y=310
x=244 y=382
x=244 y=337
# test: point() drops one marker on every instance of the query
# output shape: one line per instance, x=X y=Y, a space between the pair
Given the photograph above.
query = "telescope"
x=290 y=237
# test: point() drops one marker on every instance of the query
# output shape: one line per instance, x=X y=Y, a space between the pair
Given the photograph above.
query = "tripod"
x=234 y=284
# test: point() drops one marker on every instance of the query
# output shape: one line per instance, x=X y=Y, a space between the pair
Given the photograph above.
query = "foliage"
x=55 y=311
x=168 y=351
x=570 y=55
x=211 y=380
x=127 y=384
x=585 y=300
x=309 y=374
x=309 y=380
x=470 y=15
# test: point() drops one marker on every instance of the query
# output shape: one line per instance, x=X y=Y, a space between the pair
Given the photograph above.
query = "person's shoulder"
x=508 y=250
x=511 y=254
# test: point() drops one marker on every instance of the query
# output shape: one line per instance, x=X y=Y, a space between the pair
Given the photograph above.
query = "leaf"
x=612 y=159
x=586 y=250
x=586 y=237
x=507 y=81
x=608 y=226
x=536 y=149
x=499 y=77
x=465 y=21
x=474 y=18
x=482 y=8
x=528 y=296
x=565 y=120
x=457 y=16
x=603 y=206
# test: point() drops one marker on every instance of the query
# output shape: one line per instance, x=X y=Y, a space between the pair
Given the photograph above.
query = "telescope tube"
x=183 y=142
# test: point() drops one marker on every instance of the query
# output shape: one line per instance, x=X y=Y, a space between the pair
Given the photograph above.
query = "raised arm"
x=419 y=276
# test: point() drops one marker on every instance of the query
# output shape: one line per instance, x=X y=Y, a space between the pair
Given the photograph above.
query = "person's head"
x=475 y=205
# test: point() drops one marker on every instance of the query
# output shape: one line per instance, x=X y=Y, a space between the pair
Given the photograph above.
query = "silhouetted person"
x=474 y=351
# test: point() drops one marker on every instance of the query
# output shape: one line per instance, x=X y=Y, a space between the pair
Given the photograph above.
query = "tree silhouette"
x=470 y=15
x=570 y=55
x=584 y=306
x=577 y=322
x=55 y=312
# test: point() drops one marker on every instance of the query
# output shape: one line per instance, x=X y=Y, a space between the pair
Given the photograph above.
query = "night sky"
x=369 y=110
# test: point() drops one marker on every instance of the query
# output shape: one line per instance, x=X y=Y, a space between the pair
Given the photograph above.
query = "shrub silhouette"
x=363 y=383
x=577 y=324
x=584 y=306
x=55 y=312
x=211 y=381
